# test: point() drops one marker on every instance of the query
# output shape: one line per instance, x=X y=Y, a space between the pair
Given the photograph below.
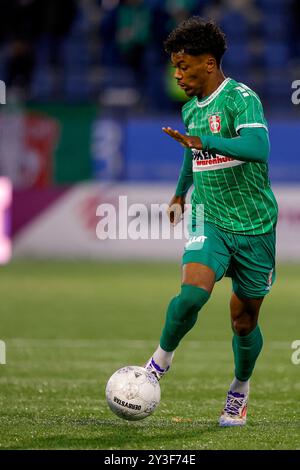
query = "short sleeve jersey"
x=237 y=195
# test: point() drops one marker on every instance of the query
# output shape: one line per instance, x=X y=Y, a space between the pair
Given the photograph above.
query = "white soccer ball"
x=133 y=393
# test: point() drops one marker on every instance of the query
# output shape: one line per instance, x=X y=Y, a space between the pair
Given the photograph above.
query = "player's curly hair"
x=196 y=36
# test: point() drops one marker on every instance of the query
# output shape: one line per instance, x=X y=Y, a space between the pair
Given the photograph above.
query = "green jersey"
x=237 y=195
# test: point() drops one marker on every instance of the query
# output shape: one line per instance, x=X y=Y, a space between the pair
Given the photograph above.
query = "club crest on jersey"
x=215 y=123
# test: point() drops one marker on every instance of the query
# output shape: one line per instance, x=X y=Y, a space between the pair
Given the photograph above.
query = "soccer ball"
x=133 y=393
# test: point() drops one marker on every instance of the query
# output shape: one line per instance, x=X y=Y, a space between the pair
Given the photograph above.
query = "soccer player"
x=226 y=152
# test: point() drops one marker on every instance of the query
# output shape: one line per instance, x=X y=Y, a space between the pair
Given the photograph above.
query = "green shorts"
x=248 y=259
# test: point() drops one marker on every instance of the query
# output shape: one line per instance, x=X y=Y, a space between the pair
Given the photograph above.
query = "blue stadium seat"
x=42 y=48
x=273 y=5
x=120 y=76
x=235 y=26
x=240 y=74
x=237 y=56
x=274 y=27
x=75 y=51
x=41 y=84
x=276 y=55
x=279 y=86
x=76 y=87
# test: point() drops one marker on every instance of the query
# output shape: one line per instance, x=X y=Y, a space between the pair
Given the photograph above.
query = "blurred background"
x=88 y=88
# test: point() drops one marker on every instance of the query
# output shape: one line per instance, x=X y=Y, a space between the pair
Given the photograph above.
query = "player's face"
x=191 y=72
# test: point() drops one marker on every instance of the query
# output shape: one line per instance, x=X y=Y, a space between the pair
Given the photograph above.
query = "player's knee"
x=243 y=325
x=192 y=299
x=189 y=304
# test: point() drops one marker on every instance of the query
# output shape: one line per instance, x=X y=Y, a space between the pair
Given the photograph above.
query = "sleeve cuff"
x=250 y=126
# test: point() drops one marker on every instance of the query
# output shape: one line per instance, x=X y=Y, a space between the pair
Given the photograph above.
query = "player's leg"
x=205 y=261
x=247 y=340
x=197 y=283
x=247 y=343
x=253 y=276
x=182 y=313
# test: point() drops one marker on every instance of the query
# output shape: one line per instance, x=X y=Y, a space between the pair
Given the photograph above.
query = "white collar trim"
x=211 y=97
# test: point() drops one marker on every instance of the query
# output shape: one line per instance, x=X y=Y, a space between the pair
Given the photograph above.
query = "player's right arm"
x=185 y=181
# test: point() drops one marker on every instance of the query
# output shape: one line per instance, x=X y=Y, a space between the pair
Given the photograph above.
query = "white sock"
x=163 y=358
x=239 y=386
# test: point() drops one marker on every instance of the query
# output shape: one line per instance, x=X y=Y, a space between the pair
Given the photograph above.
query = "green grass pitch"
x=69 y=326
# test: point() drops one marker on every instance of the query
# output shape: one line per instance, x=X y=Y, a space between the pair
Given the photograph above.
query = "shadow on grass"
x=118 y=434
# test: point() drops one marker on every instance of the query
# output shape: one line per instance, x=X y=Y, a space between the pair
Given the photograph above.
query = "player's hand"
x=176 y=209
x=192 y=142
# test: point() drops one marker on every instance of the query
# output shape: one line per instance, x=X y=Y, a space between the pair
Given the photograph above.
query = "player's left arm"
x=251 y=141
x=252 y=145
